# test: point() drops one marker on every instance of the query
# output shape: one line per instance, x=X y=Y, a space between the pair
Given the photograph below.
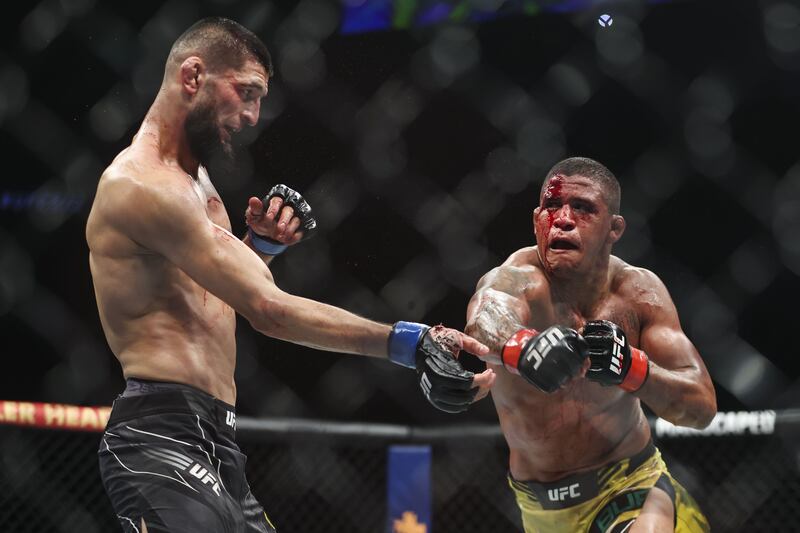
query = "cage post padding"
x=408 y=489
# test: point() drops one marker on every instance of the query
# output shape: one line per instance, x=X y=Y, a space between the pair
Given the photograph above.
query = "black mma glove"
x=614 y=361
x=443 y=380
x=302 y=210
x=296 y=201
x=547 y=359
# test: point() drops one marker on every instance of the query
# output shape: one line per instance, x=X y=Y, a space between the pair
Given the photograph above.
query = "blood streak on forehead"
x=553 y=189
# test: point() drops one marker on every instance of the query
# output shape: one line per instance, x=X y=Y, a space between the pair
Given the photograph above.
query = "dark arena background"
x=420 y=132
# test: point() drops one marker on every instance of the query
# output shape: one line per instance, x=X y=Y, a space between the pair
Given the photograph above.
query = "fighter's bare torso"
x=160 y=323
x=584 y=425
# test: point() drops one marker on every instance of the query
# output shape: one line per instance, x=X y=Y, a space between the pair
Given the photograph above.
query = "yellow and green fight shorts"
x=606 y=500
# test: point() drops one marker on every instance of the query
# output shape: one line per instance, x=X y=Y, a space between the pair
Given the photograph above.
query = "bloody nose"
x=563 y=219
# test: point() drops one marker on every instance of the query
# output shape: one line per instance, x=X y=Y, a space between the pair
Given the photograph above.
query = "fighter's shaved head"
x=591 y=169
x=220 y=43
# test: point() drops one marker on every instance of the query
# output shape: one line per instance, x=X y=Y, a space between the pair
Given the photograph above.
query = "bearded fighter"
x=169 y=277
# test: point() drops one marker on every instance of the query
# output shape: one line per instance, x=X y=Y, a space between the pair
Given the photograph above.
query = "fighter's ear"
x=193 y=71
x=617 y=227
x=533 y=220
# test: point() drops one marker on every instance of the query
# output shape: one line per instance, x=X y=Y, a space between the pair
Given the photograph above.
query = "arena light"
x=377 y=15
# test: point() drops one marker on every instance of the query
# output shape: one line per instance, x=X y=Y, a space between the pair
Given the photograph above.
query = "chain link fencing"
x=314 y=480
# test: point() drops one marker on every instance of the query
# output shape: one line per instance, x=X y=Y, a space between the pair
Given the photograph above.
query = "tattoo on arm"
x=501 y=309
x=512 y=282
x=496 y=323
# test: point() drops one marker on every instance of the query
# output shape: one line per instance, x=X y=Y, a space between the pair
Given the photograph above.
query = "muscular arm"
x=679 y=388
x=499 y=308
x=166 y=217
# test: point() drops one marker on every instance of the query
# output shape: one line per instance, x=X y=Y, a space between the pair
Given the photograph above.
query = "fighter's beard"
x=203 y=137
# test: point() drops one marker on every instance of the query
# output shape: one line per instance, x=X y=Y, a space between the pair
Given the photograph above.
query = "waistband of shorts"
x=184 y=399
x=582 y=487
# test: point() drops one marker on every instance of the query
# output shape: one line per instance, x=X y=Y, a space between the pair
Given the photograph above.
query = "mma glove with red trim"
x=548 y=359
x=614 y=361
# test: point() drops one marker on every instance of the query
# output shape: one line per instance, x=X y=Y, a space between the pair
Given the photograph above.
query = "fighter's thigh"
x=184 y=518
x=173 y=488
x=689 y=516
x=657 y=515
x=255 y=518
x=648 y=505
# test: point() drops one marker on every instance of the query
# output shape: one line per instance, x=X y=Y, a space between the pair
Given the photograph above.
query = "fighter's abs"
x=581 y=426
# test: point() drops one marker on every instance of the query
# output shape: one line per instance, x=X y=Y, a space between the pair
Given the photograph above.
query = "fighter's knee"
x=144 y=526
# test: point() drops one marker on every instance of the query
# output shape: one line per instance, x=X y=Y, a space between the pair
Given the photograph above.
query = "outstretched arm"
x=159 y=219
x=156 y=215
x=165 y=216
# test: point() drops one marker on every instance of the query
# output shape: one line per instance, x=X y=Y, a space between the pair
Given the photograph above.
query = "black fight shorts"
x=168 y=456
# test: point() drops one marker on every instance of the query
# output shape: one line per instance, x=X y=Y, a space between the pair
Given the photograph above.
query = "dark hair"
x=589 y=168
x=221 y=43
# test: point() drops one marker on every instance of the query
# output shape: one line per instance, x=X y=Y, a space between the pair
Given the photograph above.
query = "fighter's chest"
x=615 y=309
x=217 y=213
x=215 y=209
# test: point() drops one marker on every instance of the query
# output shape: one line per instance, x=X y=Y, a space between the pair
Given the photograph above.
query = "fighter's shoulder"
x=519 y=274
x=130 y=183
x=637 y=285
x=524 y=257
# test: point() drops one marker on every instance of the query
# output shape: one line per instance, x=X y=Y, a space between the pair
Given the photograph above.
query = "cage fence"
x=315 y=476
